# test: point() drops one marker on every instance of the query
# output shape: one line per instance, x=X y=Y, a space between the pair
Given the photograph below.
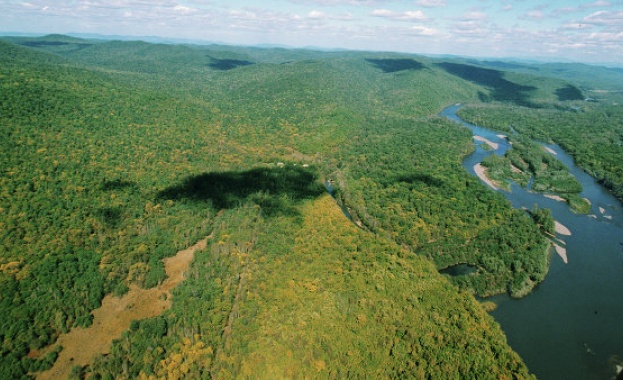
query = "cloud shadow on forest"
x=68 y=47
x=569 y=92
x=276 y=190
x=392 y=65
x=502 y=89
x=227 y=64
x=111 y=216
x=424 y=178
x=118 y=184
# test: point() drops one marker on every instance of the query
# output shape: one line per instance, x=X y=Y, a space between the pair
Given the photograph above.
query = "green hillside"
x=116 y=155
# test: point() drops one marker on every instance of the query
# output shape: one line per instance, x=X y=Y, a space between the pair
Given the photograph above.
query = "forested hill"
x=115 y=155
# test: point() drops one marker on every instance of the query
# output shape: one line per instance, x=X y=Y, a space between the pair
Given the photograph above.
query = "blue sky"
x=585 y=31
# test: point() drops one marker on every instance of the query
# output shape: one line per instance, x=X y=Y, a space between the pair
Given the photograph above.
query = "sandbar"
x=550 y=150
x=562 y=252
x=481 y=172
x=560 y=229
x=555 y=197
x=493 y=145
x=602 y=210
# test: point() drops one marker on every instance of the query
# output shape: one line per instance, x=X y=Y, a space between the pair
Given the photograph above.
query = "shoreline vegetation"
x=481 y=172
x=586 y=131
x=535 y=169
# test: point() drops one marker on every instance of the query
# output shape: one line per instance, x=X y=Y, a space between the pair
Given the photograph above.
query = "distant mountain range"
x=193 y=41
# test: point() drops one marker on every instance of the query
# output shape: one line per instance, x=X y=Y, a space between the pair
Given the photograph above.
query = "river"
x=571 y=325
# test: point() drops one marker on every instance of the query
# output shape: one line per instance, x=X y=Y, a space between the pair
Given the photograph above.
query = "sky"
x=555 y=30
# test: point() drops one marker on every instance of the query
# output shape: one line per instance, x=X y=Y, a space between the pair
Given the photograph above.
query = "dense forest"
x=117 y=155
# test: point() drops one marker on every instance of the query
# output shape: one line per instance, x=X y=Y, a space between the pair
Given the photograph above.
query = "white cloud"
x=583 y=7
x=609 y=18
x=383 y=13
x=118 y=4
x=535 y=15
x=611 y=38
x=596 y=4
x=242 y=15
x=316 y=14
x=335 y=3
x=424 y=31
x=183 y=10
x=475 y=16
x=324 y=16
x=400 y=16
x=575 y=26
x=567 y=10
x=431 y=3
x=413 y=15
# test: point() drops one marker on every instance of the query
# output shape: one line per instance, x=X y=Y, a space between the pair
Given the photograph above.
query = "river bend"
x=571 y=325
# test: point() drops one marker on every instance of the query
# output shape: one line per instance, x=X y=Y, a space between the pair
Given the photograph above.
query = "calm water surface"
x=571 y=325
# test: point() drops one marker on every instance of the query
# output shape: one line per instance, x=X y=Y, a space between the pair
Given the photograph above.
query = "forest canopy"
x=117 y=155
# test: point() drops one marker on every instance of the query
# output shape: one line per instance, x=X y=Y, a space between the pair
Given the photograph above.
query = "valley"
x=117 y=155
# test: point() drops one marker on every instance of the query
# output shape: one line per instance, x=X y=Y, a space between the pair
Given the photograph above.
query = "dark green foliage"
x=266 y=186
x=501 y=89
x=569 y=92
x=117 y=184
x=433 y=206
x=543 y=219
x=77 y=373
x=227 y=64
x=143 y=346
x=54 y=44
x=392 y=65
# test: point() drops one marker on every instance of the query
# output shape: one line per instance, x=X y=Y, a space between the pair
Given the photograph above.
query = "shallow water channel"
x=571 y=325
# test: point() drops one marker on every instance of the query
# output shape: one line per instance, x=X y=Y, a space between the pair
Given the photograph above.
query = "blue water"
x=571 y=325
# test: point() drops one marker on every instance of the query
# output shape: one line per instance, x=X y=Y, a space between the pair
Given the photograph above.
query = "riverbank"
x=555 y=197
x=481 y=172
x=494 y=146
x=572 y=292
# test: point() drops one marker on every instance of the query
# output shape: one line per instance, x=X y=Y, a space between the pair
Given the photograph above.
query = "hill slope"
x=118 y=154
